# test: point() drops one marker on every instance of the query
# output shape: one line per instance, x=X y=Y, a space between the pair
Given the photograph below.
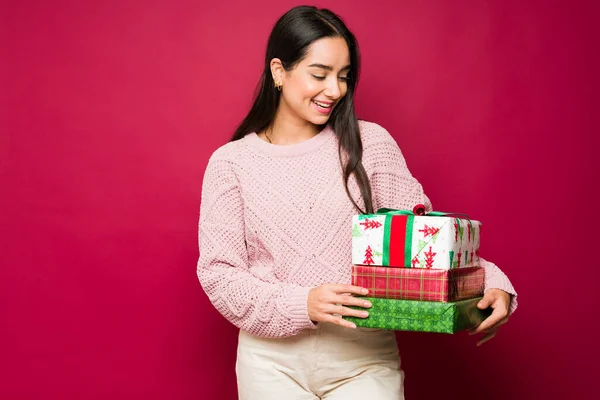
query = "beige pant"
x=330 y=362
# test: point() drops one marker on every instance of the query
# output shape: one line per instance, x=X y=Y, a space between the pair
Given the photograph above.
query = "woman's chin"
x=319 y=119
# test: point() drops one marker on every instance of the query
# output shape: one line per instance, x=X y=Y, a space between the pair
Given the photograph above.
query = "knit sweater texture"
x=275 y=221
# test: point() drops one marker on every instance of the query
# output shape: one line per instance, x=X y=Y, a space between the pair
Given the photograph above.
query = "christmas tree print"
x=415 y=261
x=456 y=230
x=470 y=230
x=370 y=223
x=451 y=254
x=368 y=256
x=466 y=257
x=356 y=231
x=429 y=255
x=458 y=256
x=421 y=245
x=377 y=253
x=471 y=258
x=429 y=230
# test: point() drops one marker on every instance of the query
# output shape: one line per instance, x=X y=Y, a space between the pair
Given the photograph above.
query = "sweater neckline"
x=288 y=150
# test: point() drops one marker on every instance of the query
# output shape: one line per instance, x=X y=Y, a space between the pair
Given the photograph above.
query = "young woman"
x=277 y=201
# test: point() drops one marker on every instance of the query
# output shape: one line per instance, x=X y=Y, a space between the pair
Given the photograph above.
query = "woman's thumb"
x=483 y=303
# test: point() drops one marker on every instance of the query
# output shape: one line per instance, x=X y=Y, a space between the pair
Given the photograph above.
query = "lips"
x=324 y=104
x=323 y=107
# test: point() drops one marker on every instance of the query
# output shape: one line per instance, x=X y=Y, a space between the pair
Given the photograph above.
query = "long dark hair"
x=290 y=38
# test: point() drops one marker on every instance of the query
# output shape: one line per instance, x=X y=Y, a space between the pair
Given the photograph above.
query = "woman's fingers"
x=330 y=302
x=352 y=301
x=345 y=311
x=339 y=289
x=338 y=321
x=490 y=322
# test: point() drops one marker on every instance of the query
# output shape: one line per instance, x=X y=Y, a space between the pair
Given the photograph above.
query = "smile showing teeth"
x=322 y=105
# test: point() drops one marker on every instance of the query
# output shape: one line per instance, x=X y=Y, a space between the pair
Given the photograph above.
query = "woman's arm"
x=261 y=308
x=393 y=186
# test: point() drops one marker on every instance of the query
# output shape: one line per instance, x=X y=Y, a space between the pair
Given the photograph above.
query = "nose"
x=332 y=89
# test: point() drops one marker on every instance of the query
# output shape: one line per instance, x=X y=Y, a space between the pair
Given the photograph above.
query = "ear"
x=277 y=70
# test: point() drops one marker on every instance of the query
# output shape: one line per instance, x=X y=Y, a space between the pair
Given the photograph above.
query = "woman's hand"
x=326 y=300
x=499 y=300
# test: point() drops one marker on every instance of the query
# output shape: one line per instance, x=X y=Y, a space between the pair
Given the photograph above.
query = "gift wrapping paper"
x=422 y=316
x=420 y=284
x=412 y=241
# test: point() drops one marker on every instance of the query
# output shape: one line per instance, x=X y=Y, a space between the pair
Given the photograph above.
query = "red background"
x=111 y=109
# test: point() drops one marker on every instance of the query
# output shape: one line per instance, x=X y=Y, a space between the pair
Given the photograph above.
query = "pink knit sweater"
x=275 y=222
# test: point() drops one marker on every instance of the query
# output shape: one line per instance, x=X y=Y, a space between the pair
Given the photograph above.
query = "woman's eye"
x=344 y=78
x=319 y=78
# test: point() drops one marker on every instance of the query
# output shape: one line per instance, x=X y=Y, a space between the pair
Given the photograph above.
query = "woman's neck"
x=288 y=130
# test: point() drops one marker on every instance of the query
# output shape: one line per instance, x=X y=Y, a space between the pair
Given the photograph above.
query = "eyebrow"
x=328 y=67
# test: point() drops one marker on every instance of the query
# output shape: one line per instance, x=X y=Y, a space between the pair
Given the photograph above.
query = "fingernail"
x=480 y=304
x=353 y=326
x=367 y=304
x=365 y=291
x=364 y=314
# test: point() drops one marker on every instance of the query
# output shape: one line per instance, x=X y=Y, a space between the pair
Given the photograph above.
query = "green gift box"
x=422 y=316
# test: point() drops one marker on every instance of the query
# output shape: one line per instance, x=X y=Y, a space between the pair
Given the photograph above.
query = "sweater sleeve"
x=394 y=186
x=496 y=279
x=262 y=308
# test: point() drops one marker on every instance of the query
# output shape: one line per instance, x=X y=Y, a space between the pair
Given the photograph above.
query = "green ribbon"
x=391 y=211
x=407 y=240
x=386 y=240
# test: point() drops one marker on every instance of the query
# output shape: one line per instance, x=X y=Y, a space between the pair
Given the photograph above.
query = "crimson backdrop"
x=112 y=108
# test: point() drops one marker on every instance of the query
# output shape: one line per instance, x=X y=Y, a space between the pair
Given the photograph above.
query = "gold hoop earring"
x=278 y=86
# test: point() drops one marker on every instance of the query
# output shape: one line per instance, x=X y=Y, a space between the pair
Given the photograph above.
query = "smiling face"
x=312 y=89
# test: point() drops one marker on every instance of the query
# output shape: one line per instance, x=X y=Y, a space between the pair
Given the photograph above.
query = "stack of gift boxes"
x=423 y=271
